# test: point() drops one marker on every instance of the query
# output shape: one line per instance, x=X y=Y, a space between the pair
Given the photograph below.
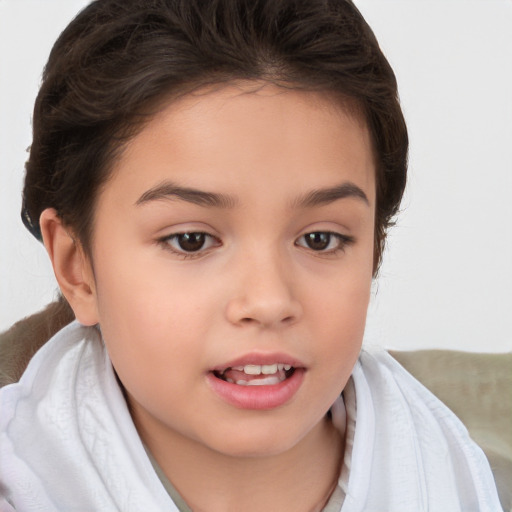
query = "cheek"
x=148 y=318
x=336 y=341
x=142 y=288
x=341 y=324
x=153 y=345
x=340 y=312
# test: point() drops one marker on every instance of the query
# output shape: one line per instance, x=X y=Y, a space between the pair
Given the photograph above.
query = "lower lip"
x=257 y=397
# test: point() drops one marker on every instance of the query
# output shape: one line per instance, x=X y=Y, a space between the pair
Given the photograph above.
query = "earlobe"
x=71 y=267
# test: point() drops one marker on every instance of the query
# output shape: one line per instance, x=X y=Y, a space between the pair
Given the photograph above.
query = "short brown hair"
x=118 y=58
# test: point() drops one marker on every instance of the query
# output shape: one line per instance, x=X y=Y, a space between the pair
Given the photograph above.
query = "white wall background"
x=447 y=277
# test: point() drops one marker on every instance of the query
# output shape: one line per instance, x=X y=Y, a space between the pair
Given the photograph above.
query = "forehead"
x=252 y=130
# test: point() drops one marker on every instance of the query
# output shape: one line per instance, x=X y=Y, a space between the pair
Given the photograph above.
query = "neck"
x=213 y=482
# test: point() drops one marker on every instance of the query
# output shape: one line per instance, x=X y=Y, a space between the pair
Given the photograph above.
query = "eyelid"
x=343 y=242
x=164 y=242
x=213 y=241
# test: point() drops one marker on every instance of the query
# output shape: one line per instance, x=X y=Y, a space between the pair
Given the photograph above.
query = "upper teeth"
x=265 y=369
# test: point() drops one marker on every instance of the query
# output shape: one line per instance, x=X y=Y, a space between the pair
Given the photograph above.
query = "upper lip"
x=260 y=359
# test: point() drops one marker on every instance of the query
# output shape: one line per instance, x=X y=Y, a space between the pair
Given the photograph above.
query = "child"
x=213 y=181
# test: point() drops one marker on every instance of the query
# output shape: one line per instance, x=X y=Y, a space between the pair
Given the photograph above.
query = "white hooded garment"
x=68 y=443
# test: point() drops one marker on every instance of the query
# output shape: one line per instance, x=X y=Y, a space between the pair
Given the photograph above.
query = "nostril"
x=248 y=320
x=263 y=310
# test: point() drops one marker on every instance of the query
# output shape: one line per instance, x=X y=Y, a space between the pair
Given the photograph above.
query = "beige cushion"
x=478 y=389
x=24 y=338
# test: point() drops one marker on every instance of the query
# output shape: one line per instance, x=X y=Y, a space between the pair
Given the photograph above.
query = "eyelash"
x=343 y=241
x=166 y=242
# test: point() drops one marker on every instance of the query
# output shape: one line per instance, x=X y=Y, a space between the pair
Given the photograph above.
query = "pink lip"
x=258 y=397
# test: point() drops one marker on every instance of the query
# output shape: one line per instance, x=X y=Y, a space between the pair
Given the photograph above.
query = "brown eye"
x=318 y=241
x=190 y=243
x=324 y=241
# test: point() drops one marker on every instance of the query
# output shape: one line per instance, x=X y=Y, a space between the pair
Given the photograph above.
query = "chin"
x=258 y=440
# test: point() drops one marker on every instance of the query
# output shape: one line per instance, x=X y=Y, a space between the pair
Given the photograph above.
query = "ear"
x=71 y=266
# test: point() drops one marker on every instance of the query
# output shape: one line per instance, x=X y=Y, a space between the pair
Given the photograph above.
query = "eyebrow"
x=169 y=190
x=328 y=195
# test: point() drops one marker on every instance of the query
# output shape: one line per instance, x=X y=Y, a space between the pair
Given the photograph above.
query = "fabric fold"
x=68 y=442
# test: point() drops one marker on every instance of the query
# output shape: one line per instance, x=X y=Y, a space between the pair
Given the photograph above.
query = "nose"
x=264 y=293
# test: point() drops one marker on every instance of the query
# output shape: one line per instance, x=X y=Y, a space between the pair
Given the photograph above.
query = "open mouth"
x=256 y=375
x=248 y=385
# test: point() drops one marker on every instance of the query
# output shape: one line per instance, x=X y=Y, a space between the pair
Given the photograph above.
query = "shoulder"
x=50 y=367
x=38 y=414
x=409 y=447
x=66 y=431
x=392 y=393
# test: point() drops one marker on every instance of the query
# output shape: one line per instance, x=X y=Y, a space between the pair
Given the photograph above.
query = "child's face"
x=275 y=189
